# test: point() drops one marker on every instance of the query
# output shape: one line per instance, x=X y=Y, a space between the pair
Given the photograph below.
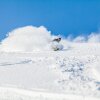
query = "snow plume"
x=79 y=39
x=26 y=39
x=31 y=38
x=92 y=38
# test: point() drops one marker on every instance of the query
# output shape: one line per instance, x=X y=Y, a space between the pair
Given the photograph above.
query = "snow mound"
x=26 y=39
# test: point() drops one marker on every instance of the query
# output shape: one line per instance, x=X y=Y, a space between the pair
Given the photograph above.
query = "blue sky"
x=59 y=16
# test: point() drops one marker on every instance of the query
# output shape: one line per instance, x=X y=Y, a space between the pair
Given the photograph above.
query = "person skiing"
x=56 y=45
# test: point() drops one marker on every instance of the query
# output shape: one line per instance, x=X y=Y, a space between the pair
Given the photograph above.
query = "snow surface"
x=70 y=74
x=31 y=70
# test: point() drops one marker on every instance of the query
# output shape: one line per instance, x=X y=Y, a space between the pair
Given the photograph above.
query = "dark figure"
x=57 y=40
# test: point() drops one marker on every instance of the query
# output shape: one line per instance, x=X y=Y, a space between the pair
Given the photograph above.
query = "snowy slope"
x=70 y=74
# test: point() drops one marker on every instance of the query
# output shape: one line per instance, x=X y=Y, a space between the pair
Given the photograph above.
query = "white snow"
x=26 y=39
x=30 y=70
x=71 y=74
x=21 y=94
x=56 y=46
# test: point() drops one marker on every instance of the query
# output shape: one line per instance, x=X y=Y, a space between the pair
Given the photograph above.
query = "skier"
x=56 y=45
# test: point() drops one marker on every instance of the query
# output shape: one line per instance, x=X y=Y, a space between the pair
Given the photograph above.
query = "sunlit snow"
x=31 y=70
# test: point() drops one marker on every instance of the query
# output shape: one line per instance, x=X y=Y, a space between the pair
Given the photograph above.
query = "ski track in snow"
x=9 y=63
